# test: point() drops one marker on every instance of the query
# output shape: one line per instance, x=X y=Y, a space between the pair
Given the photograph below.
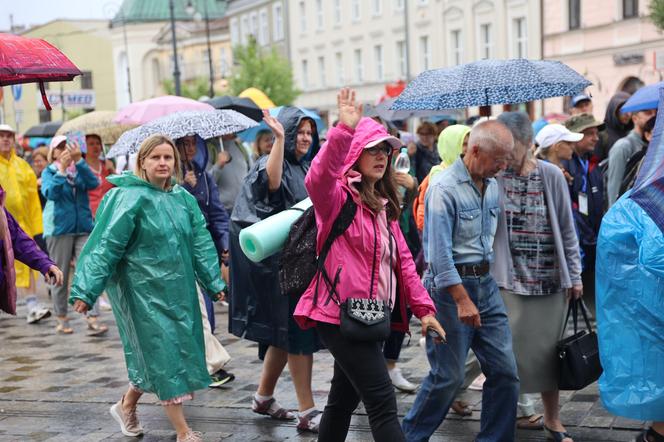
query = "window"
x=321 y=72
x=339 y=64
x=425 y=52
x=86 y=80
x=378 y=62
x=253 y=24
x=319 y=15
x=456 y=47
x=486 y=44
x=337 y=12
x=303 y=17
x=225 y=64
x=401 y=59
x=244 y=29
x=355 y=10
x=377 y=7
x=305 y=75
x=630 y=8
x=263 y=28
x=574 y=14
x=520 y=37
x=235 y=32
x=359 y=67
x=399 y=5
x=278 y=22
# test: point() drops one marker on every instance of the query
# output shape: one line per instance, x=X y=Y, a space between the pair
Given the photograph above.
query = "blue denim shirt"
x=459 y=224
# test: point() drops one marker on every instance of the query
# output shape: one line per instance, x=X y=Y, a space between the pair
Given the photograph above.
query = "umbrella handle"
x=47 y=105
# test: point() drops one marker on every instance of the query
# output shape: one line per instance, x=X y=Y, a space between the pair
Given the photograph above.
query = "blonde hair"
x=41 y=151
x=147 y=146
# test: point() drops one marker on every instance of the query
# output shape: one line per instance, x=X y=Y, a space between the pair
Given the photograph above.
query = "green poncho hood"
x=450 y=144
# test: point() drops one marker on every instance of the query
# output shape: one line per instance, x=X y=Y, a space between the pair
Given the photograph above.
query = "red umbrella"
x=32 y=60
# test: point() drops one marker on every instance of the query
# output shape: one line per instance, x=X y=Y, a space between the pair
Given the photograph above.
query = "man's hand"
x=350 y=111
x=190 y=178
x=468 y=313
x=54 y=276
x=80 y=306
x=223 y=158
x=576 y=292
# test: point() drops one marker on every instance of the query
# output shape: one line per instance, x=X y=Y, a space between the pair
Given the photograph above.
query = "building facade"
x=87 y=43
x=265 y=20
x=367 y=44
x=612 y=43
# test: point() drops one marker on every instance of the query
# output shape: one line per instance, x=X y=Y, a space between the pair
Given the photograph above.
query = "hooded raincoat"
x=353 y=256
x=258 y=310
x=450 y=145
x=22 y=201
x=615 y=129
x=148 y=250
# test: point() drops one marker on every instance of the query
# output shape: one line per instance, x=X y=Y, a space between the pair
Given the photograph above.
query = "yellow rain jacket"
x=20 y=184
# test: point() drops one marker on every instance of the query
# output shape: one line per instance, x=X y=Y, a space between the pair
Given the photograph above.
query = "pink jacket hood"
x=367 y=131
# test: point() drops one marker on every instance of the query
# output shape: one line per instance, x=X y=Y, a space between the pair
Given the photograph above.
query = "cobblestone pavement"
x=59 y=388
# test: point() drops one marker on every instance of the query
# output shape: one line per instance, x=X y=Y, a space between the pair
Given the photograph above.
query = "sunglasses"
x=373 y=151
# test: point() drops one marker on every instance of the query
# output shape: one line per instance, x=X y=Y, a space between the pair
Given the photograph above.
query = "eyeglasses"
x=373 y=151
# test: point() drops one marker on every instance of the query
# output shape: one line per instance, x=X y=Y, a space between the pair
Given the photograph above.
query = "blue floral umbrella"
x=205 y=124
x=648 y=191
x=488 y=82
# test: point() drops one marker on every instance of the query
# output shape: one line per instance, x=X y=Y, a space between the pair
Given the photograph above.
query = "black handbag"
x=578 y=355
x=364 y=319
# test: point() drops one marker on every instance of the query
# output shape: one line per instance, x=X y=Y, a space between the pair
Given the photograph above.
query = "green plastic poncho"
x=148 y=249
x=450 y=145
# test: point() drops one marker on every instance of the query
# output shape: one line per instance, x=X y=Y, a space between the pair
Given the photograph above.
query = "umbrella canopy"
x=384 y=111
x=97 y=122
x=488 y=82
x=145 y=111
x=205 y=124
x=644 y=99
x=258 y=97
x=243 y=105
x=648 y=191
x=32 y=60
x=249 y=135
x=46 y=130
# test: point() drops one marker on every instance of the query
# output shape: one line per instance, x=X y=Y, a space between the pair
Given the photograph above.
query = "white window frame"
x=302 y=11
x=320 y=18
x=399 y=5
x=263 y=28
x=520 y=42
x=339 y=66
x=359 y=66
x=485 y=41
x=244 y=29
x=379 y=62
x=400 y=49
x=456 y=47
x=321 y=72
x=376 y=8
x=277 y=21
x=253 y=24
x=225 y=68
x=425 y=52
x=355 y=10
x=305 y=74
x=337 y=12
x=235 y=31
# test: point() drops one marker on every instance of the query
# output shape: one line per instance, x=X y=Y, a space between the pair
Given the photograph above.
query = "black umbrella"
x=245 y=106
x=45 y=130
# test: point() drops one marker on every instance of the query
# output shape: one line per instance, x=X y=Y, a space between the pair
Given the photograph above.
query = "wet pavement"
x=59 y=388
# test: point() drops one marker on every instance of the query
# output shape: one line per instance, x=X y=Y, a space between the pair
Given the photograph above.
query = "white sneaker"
x=478 y=383
x=423 y=342
x=401 y=382
x=37 y=313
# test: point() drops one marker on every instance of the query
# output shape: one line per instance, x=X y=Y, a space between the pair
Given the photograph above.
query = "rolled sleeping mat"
x=267 y=237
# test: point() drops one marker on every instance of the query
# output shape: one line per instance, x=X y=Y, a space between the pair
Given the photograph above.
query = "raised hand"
x=74 y=151
x=274 y=125
x=350 y=111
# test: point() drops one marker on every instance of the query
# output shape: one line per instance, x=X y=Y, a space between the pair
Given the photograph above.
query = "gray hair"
x=491 y=135
x=519 y=124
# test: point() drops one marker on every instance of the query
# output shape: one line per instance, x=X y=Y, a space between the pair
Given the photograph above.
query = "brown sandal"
x=532 y=422
x=462 y=408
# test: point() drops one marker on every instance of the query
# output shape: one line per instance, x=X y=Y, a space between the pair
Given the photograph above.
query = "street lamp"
x=176 y=67
x=192 y=11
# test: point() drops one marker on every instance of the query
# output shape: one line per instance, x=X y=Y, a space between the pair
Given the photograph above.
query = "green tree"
x=195 y=89
x=657 y=13
x=265 y=70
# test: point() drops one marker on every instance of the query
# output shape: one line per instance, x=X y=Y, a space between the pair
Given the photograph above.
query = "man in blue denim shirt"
x=461 y=215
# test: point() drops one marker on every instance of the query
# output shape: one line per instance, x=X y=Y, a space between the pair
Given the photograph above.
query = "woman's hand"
x=405 y=180
x=274 y=125
x=190 y=178
x=54 y=276
x=350 y=112
x=430 y=321
x=65 y=160
x=75 y=151
x=576 y=292
x=80 y=306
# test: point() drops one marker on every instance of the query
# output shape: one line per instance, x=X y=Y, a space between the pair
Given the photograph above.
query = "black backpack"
x=299 y=264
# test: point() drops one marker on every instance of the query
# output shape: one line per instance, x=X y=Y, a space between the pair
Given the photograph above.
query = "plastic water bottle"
x=402 y=164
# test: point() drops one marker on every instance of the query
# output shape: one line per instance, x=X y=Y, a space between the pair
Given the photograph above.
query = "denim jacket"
x=460 y=223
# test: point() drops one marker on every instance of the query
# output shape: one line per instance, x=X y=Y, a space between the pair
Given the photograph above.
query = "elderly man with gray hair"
x=461 y=215
x=537 y=266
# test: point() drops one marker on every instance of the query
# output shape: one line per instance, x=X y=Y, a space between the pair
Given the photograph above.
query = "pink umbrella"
x=144 y=111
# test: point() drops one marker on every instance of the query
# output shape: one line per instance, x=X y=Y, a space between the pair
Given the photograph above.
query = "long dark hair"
x=386 y=187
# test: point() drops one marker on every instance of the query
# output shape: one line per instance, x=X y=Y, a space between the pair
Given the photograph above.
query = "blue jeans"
x=492 y=343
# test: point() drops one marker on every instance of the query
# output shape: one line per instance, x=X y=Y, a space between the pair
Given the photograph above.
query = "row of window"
x=455 y=56
x=257 y=24
x=356 y=9
x=630 y=9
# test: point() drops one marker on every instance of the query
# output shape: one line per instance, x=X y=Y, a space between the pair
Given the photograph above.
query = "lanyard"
x=584 y=181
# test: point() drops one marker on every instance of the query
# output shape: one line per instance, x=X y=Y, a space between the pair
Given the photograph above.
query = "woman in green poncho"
x=149 y=248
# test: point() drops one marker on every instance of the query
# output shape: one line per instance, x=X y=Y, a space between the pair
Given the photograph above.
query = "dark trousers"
x=394 y=342
x=359 y=374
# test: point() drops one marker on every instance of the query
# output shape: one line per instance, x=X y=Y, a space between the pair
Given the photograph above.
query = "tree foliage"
x=195 y=89
x=657 y=13
x=265 y=70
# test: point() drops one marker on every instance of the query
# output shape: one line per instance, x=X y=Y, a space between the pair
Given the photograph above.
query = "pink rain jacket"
x=355 y=255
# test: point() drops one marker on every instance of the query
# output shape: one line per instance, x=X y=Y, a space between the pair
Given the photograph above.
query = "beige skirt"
x=537 y=323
